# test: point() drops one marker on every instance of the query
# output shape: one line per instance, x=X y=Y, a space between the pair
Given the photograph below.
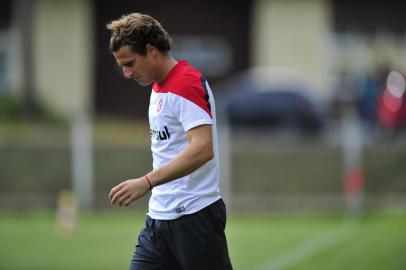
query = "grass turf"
x=31 y=240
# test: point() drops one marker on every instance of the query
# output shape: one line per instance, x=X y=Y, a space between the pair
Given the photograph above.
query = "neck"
x=168 y=62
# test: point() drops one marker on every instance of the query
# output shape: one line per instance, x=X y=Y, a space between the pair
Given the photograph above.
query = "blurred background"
x=311 y=111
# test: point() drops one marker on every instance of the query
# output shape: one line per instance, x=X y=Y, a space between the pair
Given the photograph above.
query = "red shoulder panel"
x=187 y=82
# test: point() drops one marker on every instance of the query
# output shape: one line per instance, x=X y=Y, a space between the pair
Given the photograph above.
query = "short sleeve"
x=192 y=115
x=188 y=113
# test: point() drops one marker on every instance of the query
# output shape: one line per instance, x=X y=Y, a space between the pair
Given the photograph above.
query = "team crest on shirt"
x=159 y=107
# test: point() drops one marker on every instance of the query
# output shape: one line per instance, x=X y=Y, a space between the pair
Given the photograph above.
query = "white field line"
x=311 y=246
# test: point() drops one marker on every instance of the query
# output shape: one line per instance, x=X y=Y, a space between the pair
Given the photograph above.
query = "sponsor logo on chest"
x=160 y=135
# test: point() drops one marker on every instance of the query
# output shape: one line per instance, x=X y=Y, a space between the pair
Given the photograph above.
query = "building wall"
x=293 y=35
x=72 y=61
x=63 y=54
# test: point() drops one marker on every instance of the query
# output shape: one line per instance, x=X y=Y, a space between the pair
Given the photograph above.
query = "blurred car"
x=250 y=102
x=290 y=109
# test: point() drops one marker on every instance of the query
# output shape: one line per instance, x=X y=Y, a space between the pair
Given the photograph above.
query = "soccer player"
x=185 y=224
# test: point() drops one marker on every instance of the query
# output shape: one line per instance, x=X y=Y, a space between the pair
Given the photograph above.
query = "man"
x=186 y=219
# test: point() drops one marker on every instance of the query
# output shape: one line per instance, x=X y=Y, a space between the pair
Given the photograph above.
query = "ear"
x=152 y=51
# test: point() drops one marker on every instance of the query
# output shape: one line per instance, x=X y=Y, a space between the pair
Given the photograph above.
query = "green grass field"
x=105 y=240
x=35 y=167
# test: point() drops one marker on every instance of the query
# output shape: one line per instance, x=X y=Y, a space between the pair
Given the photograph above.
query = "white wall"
x=63 y=54
x=294 y=34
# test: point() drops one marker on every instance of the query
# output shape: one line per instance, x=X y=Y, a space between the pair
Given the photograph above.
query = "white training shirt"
x=183 y=101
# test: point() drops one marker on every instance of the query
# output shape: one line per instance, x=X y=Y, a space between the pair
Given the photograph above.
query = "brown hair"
x=137 y=31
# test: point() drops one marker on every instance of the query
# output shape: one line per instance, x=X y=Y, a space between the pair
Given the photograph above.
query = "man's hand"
x=128 y=191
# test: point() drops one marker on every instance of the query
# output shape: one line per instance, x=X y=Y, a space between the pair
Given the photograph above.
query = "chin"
x=143 y=83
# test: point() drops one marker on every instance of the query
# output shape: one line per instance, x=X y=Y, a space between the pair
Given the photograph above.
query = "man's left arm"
x=197 y=153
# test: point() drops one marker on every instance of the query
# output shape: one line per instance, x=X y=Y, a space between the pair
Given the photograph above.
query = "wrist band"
x=148 y=181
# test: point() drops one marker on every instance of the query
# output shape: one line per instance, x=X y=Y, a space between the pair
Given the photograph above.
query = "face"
x=141 y=68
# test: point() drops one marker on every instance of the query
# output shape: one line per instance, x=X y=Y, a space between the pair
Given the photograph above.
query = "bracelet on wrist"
x=149 y=182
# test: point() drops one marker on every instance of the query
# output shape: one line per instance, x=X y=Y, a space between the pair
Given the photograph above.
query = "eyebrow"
x=127 y=63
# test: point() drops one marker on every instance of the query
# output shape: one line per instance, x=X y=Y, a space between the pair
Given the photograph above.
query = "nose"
x=128 y=74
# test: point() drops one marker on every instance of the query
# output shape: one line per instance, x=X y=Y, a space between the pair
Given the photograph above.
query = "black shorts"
x=191 y=242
